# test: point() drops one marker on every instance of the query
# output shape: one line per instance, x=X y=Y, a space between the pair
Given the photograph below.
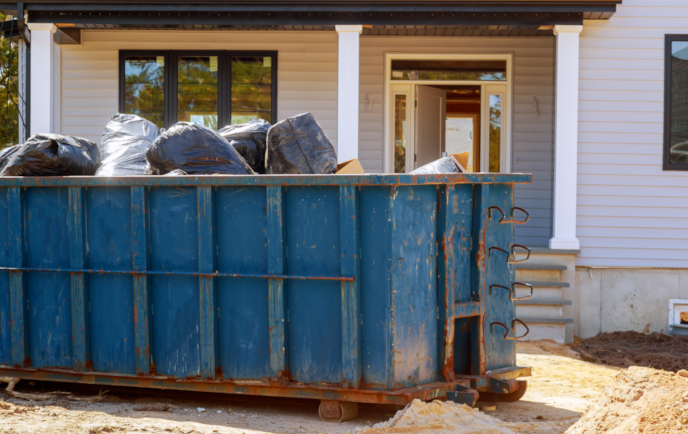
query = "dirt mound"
x=640 y=400
x=655 y=350
x=440 y=417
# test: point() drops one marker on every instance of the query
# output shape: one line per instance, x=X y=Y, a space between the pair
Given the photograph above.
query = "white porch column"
x=347 y=92
x=42 y=76
x=566 y=138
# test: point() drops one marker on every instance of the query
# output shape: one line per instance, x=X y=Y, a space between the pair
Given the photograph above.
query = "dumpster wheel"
x=337 y=411
x=505 y=397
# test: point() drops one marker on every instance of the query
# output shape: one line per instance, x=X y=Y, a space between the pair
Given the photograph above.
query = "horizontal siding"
x=630 y=211
x=306 y=80
x=532 y=134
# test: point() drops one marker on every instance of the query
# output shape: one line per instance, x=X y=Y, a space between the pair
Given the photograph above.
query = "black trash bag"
x=53 y=155
x=197 y=150
x=298 y=145
x=6 y=154
x=442 y=166
x=123 y=146
x=249 y=139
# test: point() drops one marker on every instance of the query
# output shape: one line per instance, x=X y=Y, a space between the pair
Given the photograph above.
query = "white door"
x=431 y=109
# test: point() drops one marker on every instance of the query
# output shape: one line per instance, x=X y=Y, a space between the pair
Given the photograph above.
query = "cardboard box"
x=462 y=159
x=351 y=167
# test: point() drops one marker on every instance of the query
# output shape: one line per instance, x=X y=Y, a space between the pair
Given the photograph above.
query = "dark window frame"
x=224 y=101
x=667 y=165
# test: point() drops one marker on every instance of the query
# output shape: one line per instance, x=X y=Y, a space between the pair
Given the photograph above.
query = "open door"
x=431 y=109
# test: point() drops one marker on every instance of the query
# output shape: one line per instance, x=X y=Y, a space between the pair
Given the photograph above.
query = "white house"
x=590 y=96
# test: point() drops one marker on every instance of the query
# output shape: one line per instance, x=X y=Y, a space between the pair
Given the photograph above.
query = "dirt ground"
x=561 y=388
x=625 y=349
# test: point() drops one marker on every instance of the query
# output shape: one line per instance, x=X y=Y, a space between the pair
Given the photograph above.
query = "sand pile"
x=440 y=417
x=640 y=400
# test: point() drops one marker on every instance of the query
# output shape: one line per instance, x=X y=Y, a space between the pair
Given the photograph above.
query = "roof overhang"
x=321 y=12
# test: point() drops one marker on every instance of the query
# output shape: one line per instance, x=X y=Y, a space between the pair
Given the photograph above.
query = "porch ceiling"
x=319 y=13
x=378 y=30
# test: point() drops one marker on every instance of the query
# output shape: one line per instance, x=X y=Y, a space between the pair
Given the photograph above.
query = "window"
x=212 y=88
x=483 y=70
x=495 y=144
x=400 y=133
x=676 y=103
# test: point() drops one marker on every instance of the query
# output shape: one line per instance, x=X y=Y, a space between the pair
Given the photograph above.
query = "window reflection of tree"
x=144 y=89
x=495 y=132
x=678 y=152
x=251 y=89
x=197 y=91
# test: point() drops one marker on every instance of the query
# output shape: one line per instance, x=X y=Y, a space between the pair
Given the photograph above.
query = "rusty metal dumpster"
x=366 y=288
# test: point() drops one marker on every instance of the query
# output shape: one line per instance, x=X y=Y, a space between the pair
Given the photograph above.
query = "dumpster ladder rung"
x=466 y=309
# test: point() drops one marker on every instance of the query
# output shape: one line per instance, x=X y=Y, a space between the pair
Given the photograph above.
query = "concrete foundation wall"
x=615 y=299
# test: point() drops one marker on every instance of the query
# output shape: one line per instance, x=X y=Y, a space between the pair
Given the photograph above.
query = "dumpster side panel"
x=314 y=307
x=414 y=277
x=500 y=352
x=5 y=327
x=243 y=303
x=111 y=296
x=376 y=294
x=49 y=294
x=175 y=299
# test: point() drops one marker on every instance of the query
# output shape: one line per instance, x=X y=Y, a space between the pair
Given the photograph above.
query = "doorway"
x=448 y=107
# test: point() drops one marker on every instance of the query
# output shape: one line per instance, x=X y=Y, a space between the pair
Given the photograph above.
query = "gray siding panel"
x=631 y=213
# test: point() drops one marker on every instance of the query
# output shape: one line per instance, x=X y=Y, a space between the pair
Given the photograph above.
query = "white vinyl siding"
x=306 y=71
x=532 y=133
x=631 y=213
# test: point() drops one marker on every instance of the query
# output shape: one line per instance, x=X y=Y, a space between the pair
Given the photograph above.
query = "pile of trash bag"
x=53 y=155
x=195 y=149
x=249 y=140
x=6 y=153
x=298 y=145
x=444 y=165
x=123 y=146
x=134 y=146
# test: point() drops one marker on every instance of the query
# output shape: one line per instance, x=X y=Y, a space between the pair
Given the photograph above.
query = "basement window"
x=211 y=88
x=676 y=103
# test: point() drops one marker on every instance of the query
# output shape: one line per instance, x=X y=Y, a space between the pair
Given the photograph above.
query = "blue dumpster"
x=365 y=288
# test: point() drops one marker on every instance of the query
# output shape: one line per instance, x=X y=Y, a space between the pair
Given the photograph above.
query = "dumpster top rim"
x=266 y=180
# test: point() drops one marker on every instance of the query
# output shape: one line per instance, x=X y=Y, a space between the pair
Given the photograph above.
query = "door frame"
x=387 y=161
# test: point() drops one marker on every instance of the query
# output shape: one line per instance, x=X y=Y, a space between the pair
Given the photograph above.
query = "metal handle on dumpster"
x=489 y=212
x=513 y=253
x=513 y=327
x=513 y=220
x=489 y=252
x=512 y=290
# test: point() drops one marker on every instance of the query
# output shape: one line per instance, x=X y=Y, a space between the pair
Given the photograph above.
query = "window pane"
x=144 y=83
x=486 y=70
x=251 y=89
x=678 y=145
x=495 y=132
x=399 y=133
x=459 y=138
x=197 y=90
